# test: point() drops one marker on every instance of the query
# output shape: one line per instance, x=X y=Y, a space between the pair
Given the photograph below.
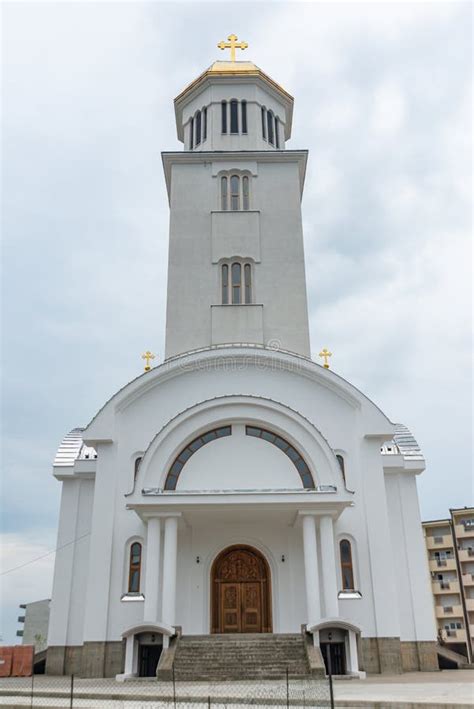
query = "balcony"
x=466 y=554
x=449 y=611
x=470 y=604
x=454 y=636
x=445 y=587
x=444 y=541
x=463 y=531
x=442 y=564
x=468 y=579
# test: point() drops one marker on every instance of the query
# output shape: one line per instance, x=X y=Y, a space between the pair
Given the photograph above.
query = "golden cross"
x=325 y=354
x=232 y=44
x=148 y=356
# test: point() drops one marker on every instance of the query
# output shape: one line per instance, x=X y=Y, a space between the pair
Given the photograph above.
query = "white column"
x=313 y=605
x=152 y=570
x=353 y=661
x=129 y=655
x=169 y=570
x=328 y=567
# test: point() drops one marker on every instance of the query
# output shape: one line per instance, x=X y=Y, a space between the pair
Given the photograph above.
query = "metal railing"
x=68 y=692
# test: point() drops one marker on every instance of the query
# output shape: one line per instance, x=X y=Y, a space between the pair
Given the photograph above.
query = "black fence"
x=148 y=693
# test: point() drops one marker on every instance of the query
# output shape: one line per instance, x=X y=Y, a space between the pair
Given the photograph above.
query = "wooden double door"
x=241 y=592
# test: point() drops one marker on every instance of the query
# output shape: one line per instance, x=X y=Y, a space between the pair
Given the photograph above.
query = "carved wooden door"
x=251 y=607
x=231 y=608
x=241 y=592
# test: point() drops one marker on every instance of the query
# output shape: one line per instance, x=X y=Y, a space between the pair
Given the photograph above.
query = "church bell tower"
x=236 y=259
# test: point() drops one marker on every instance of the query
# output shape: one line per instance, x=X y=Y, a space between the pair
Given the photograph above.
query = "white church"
x=238 y=495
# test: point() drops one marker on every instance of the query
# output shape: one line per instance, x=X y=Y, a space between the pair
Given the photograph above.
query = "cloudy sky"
x=382 y=102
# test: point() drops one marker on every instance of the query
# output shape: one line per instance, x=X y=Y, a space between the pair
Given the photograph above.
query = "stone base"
x=392 y=656
x=380 y=656
x=419 y=656
x=55 y=657
x=93 y=659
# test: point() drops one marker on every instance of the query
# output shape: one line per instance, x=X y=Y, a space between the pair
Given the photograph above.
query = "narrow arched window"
x=264 y=125
x=248 y=283
x=225 y=284
x=245 y=192
x=243 y=107
x=204 y=124
x=191 y=134
x=347 y=571
x=234 y=193
x=236 y=283
x=270 y=126
x=234 y=116
x=135 y=567
x=198 y=127
x=277 y=132
x=224 y=116
x=224 y=193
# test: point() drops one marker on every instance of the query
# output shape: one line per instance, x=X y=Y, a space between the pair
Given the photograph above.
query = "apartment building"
x=450 y=548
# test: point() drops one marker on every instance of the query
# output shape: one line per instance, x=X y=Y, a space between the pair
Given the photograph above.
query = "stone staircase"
x=218 y=658
x=455 y=657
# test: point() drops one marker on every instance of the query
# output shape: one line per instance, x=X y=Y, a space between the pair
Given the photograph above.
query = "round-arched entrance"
x=241 y=592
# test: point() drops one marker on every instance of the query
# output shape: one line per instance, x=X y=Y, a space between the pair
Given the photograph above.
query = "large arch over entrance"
x=241 y=591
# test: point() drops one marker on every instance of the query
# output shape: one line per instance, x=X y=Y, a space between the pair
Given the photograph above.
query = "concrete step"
x=231 y=657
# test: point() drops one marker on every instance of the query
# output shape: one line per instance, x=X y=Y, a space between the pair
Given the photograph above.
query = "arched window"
x=224 y=197
x=243 y=107
x=234 y=116
x=224 y=116
x=240 y=286
x=135 y=565
x=277 y=136
x=204 y=124
x=340 y=460
x=191 y=448
x=248 y=283
x=236 y=270
x=245 y=192
x=297 y=460
x=270 y=126
x=347 y=571
x=234 y=193
x=225 y=284
x=264 y=124
x=191 y=134
x=198 y=127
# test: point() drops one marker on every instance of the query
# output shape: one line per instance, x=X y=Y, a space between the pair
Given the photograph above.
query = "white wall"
x=71 y=570
x=194 y=283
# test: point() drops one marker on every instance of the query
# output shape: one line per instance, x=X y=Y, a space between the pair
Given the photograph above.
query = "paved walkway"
x=450 y=689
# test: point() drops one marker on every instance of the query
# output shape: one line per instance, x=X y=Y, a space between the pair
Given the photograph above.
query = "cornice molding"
x=189 y=157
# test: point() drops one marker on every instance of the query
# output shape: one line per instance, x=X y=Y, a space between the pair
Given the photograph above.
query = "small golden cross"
x=325 y=354
x=148 y=356
x=232 y=44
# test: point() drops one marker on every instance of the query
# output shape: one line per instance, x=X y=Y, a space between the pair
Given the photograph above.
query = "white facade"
x=237 y=367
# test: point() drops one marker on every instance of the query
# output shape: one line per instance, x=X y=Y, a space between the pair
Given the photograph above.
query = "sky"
x=383 y=103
